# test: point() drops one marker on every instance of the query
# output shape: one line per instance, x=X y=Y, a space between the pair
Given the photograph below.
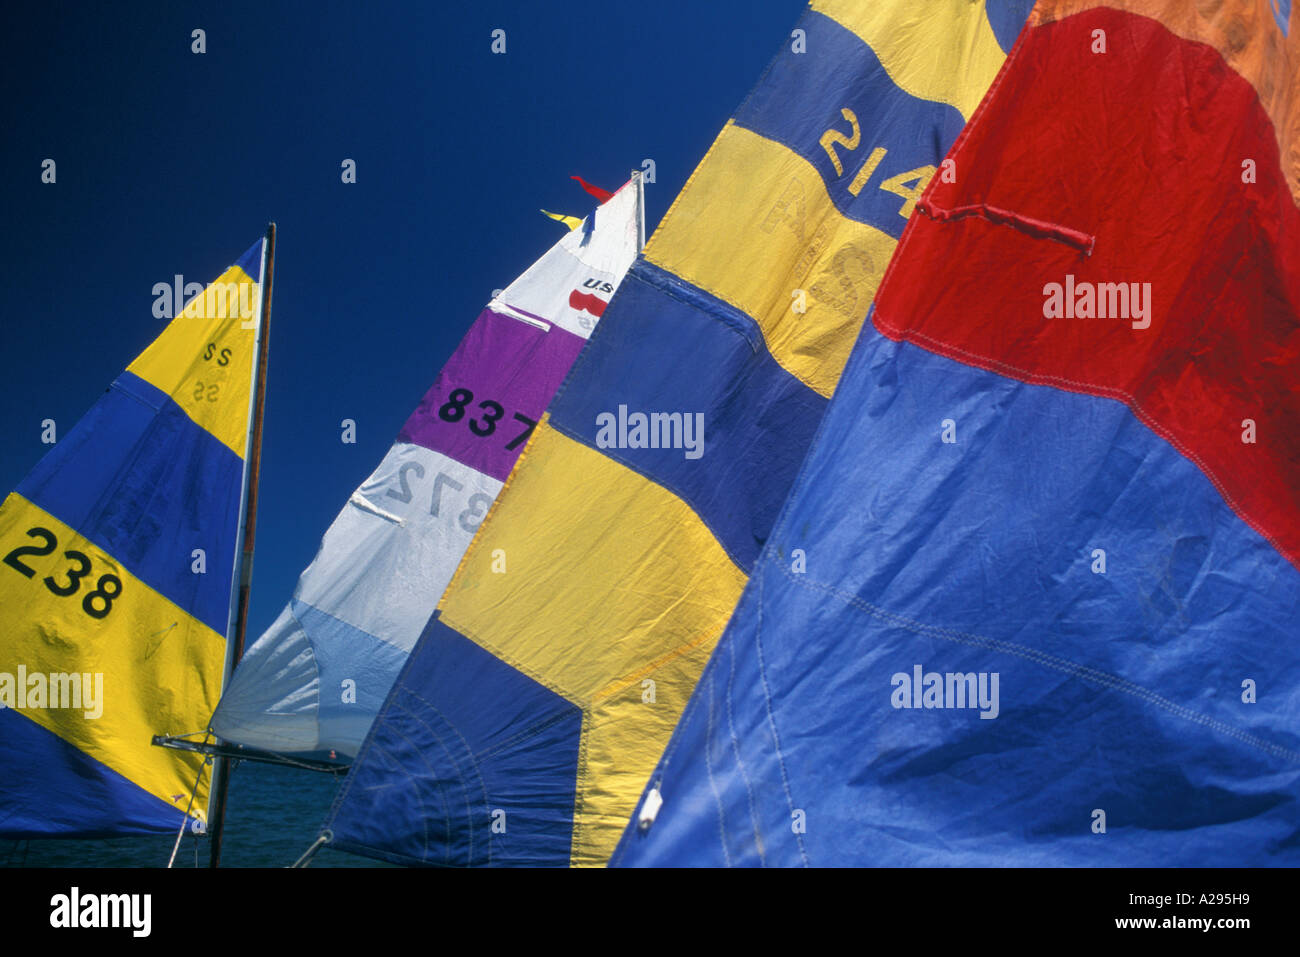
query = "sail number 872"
x=97 y=603
x=469 y=519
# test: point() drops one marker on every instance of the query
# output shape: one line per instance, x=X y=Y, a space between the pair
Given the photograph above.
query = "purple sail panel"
x=493 y=389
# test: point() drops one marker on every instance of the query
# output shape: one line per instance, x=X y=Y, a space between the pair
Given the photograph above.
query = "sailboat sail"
x=1064 y=633
x=117 y=558
x=315 y=680
x=628 y=555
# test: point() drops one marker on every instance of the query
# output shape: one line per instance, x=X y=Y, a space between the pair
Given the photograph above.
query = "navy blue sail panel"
x=459 y=725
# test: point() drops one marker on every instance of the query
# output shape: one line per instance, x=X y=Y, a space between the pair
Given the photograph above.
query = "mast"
x=248 y=522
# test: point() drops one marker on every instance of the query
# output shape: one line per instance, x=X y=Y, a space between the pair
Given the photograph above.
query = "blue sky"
x=171 y=162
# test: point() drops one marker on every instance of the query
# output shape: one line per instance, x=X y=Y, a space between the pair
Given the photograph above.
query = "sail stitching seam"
x=1036 y=378
x=446 y=814
x=740 y=763
x=713 y=785
x=771 y=719
x=1086 y=673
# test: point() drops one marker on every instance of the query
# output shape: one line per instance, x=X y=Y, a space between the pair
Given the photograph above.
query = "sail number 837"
x=453 y=410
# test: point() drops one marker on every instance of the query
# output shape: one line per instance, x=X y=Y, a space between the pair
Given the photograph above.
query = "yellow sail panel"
x=623 y=735
x=803 y=270
x=204 y=358
x=673 y=556
x=918 y=44
x=143 y=666
x=655 y=553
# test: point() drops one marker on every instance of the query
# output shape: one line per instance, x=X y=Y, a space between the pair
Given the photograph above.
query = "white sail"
x=316 y=679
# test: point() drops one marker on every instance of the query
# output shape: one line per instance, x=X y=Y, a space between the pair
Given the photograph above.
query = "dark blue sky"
x=170 y=162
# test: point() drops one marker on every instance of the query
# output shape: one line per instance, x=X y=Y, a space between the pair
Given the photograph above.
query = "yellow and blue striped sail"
x=539 y=698
x=117 y=556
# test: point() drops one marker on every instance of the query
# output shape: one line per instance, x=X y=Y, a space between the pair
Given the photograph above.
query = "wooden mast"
x=221 y=765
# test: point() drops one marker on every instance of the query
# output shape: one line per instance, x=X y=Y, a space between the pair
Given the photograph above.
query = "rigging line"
x=190 y=734
x=324 y=838
x=185 y=819
x=294 y=763
x=1037 y=228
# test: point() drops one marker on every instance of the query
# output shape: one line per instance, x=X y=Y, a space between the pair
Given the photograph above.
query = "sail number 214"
x=898 y=185
x=97 y=603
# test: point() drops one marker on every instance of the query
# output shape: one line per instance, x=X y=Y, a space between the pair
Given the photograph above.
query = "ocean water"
x=273 y=815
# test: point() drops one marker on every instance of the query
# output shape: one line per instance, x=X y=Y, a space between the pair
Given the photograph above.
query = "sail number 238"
x=97 y=603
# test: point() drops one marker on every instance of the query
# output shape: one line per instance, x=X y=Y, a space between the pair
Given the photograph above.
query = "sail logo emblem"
x=586 y=302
